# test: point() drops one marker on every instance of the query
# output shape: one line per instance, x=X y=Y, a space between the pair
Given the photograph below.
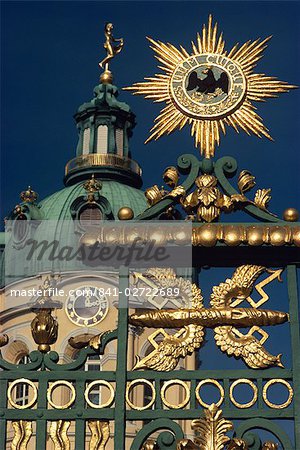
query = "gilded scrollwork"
x=3 y=340
x=270 y=446
x=237 y=444
x=206 y=202
x=94 y=342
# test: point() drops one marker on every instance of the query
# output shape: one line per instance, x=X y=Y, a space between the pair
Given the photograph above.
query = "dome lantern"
x=104 y=127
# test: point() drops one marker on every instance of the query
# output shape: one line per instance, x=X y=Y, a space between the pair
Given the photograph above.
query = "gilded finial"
x=44 y=327
x=113 y=46
x=29 y=196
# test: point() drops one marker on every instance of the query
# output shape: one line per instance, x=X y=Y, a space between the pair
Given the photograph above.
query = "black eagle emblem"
x=209 y=84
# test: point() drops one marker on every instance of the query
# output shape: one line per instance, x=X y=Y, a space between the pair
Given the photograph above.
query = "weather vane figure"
x=113 y=46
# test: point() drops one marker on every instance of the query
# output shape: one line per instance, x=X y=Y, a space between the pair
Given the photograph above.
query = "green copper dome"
x=57 y=206
x=100 y=180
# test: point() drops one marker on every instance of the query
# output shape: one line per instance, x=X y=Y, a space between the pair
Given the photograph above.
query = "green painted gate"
x=160 y=421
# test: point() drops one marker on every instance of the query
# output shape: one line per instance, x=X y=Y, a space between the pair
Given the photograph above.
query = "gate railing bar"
x=121 y=372
x=295 y=343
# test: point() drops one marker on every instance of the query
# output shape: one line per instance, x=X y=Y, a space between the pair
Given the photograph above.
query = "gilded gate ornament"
x=3 y=340
x=44 y=327
x=211 y=434
x=100 y=434
x=224 y=316
x=209 y=89
x=211 y=431
x=167 y=353
x=58 y=434
x=22 y=434
x=206 y=202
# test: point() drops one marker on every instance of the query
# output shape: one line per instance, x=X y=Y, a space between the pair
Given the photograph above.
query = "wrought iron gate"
x=42 y=416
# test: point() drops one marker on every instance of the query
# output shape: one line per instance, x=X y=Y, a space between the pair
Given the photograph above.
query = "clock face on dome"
x=87 y=305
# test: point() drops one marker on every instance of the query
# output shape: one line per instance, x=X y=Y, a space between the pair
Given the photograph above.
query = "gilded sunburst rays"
x=206 y=109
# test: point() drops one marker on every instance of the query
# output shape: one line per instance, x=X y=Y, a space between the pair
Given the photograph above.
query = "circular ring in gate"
x=134 y=383
x=281 y=405
x=254 y=389
x=13 y=385
x=209 y=381
x=99 y=383
x=174 y=383
x=54 y=386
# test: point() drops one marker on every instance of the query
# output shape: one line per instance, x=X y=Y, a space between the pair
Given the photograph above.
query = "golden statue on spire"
x=112 y=49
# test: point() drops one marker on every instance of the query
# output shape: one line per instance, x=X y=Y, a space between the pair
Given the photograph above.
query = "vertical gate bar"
x=3 y=404
x=2 y=433
x=79 y=434
x=80 y=424
x=41 y=424
x=295 y=342
x=193 y=395
x=157 y=386
x=226 y=391
x=41 y=434
x=260 y=396
x=121 y=372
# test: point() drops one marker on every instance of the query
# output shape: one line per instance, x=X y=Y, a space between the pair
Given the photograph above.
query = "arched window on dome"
x=86 y=141
x=119 y=141
x=90 y=216
x=102 y=135
x=20 y=227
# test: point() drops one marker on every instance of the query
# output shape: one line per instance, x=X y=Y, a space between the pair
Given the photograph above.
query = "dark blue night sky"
x=50 y=54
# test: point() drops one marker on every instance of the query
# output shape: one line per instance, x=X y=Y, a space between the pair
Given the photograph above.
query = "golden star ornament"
x=209 y=88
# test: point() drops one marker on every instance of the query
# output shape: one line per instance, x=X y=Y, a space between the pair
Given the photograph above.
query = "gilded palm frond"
x=211 y=430
x=246 y=347
x=228 y=338
x=165 y=355
x=239 y=285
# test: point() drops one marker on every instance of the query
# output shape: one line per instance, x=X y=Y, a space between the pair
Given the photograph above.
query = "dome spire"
x=113 y=46
x=105 y=127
